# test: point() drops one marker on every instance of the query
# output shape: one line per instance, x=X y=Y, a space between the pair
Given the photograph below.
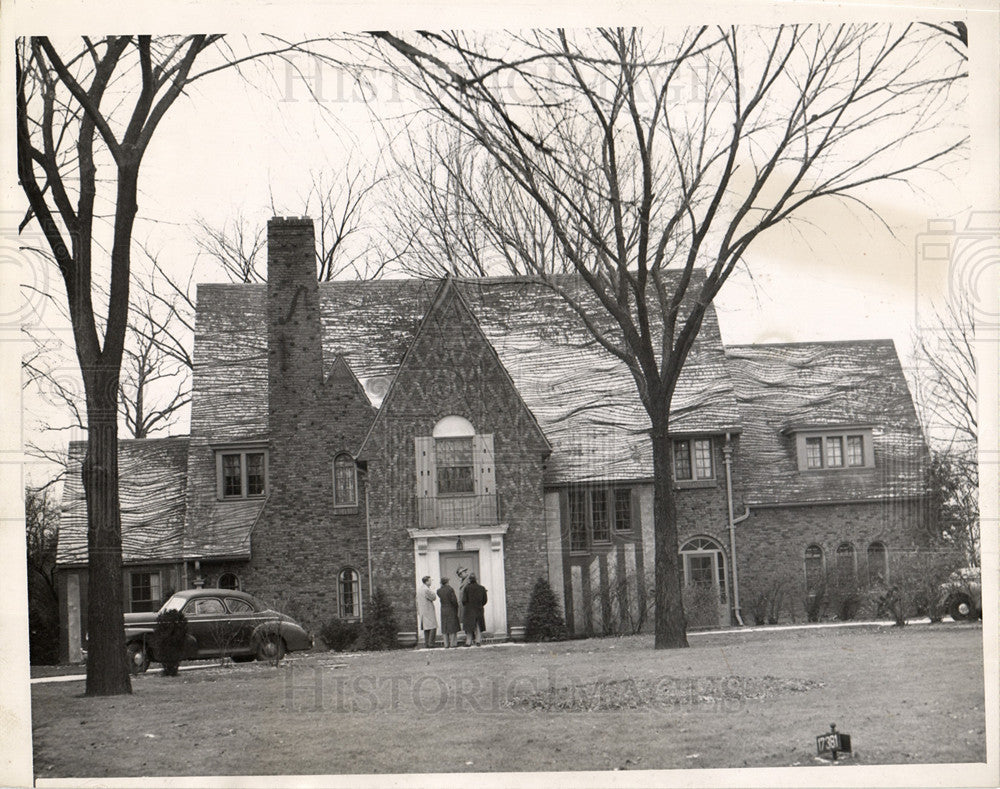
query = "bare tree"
x=41 y=523
x=947 y=404
x=645 y=151
x=83 y=107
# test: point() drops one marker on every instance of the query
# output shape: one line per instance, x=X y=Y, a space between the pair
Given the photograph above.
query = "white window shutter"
x=426 y=468
x=484 y=470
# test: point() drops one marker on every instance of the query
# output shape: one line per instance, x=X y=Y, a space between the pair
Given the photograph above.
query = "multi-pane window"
x=814 y=453
x=144 y=591
x=345 y=481
x=855 y=450
x=833 y=450
x=814 y=567
x=600 y=517
x=349 y=585
x=594 y=514
x=578 y=520
x=242 y=473
x=454 y=466
x=623 y=509
x=693 y=459
x=845 y=563
x=878 y=565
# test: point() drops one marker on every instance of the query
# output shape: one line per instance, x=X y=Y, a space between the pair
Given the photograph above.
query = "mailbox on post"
x=833 y=742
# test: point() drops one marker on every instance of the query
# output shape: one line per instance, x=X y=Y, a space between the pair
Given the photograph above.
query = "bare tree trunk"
x=671 y=626
x=107 y=669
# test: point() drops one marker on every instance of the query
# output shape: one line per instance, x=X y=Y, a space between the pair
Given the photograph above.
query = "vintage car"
x=962 y=594
x=220 y=622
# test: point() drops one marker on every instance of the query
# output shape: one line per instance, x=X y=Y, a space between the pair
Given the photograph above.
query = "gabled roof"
x=152 y=484
x=788 y=387
x=583 y=398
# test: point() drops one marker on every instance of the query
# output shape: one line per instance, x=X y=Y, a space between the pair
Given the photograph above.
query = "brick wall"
x=451 y=370
x=773 y=540
x=301 y=543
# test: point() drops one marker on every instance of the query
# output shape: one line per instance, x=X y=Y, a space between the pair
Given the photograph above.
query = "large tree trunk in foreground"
x=671 y=626
x=107 y=667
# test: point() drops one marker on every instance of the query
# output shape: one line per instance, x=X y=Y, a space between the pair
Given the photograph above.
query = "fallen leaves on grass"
x=630 y=694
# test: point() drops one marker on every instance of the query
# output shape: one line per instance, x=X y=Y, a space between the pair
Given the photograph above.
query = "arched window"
x=349 y=597
x=704 y=564
x=846 y=567
x=454 y=453
x=814 y=567
x=228 y=581
x=345 y=481
x=878 y=564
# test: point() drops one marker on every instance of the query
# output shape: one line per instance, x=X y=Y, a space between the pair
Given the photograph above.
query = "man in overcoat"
x=449 y=613
x=426 y=614
x=473 y=602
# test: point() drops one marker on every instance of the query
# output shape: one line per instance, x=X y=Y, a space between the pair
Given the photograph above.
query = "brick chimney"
x=294 y=346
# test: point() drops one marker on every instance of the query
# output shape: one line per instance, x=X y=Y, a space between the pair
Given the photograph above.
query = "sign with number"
x=833 y=742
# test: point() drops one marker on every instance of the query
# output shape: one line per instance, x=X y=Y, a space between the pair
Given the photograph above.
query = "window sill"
x=346 y=509
x=690 y=484
x=255 y=497
x=834 y=469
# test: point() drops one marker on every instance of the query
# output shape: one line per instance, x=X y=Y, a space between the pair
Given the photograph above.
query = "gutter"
x=727 y=454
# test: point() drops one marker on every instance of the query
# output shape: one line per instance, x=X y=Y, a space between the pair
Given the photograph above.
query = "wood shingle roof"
x=786 y=387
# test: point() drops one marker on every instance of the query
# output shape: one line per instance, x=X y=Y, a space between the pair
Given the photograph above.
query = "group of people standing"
x=467 y=615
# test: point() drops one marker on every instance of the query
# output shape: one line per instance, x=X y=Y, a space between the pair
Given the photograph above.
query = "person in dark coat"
x=473 y=602
x=449 y=613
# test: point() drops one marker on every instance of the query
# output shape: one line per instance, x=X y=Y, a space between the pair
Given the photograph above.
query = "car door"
x=207 y=621
x=243 y=619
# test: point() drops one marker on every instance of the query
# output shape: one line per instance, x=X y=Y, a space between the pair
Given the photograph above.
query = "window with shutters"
x=455 y=476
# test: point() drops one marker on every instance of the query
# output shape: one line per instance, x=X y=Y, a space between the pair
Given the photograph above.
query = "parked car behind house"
x=962 y=594
x=220 y=622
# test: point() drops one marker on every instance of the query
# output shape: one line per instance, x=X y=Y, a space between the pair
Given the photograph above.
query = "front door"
x=455 y=562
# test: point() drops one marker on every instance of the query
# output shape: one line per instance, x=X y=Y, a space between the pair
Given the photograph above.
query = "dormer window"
x=833 y=449
x=241 y=472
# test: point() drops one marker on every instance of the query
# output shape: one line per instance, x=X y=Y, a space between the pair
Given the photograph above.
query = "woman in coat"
x=449 y=613
x=473 y=603
x=426 y=614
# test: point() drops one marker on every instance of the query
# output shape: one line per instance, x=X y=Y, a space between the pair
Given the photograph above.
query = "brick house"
x=352 y=435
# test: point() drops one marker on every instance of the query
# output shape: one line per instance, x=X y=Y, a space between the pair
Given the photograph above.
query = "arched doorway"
x=706 y=583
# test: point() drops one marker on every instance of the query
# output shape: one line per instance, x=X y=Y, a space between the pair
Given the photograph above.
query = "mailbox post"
x=833 y=742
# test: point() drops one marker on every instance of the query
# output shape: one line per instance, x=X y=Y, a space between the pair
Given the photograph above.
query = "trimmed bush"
x=701 y=606
x=763 y=597
x=545 y=622
x=379 y=629
x=340 y=635
x=169 y=639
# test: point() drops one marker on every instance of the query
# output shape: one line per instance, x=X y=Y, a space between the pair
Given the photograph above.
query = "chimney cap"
x=290 y=220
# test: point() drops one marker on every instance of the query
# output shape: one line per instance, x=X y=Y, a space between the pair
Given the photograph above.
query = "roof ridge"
x=867 y=341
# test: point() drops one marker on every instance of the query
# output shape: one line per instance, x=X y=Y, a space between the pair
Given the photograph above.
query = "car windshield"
x=175 y=603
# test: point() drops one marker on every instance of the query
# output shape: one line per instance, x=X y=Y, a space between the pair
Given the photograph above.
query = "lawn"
x=755 y=699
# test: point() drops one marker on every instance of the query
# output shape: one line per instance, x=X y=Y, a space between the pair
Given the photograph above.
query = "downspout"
x=727 y=454
x=368 y=539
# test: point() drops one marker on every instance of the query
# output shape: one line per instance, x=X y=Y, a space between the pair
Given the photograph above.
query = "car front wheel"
x=960 y=608
x=138 y=657
x=270 y=647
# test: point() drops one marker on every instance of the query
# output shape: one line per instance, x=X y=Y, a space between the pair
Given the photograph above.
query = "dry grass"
x=731 y=700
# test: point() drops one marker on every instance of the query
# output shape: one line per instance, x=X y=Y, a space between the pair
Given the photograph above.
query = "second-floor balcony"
x=457 y=511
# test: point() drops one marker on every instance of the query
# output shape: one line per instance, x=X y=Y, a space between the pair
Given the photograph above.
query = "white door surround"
x=487 y=541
